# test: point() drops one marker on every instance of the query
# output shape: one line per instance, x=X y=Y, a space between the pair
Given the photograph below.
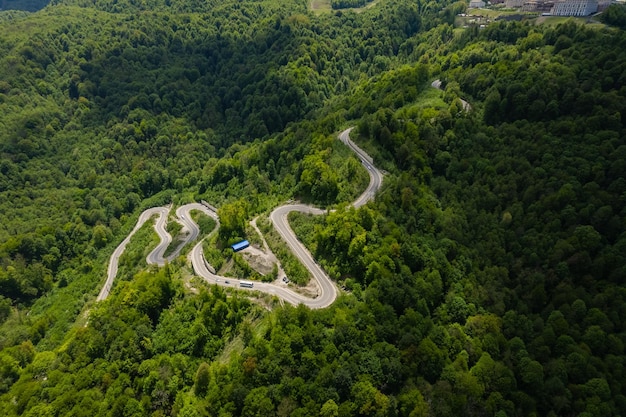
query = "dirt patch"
x=265 y=253
x=320 y=5
x=191 y=288
x=258 y=260
x=264 y=262
x=310 y=290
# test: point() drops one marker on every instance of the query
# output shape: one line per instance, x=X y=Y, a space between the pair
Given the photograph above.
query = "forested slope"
x=111 y=108
x=486 y=279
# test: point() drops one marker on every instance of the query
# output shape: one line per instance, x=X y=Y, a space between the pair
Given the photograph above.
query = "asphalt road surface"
x=327 y=289
x=466 y=106
x=376 y=176
x=115 y=258
x=157 y=254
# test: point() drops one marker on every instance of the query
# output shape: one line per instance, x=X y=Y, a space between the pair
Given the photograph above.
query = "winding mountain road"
x=115 y=257
x=376 y=176
x=157 y=256
x=466 y=106
x=183 y=214
x=327 y=289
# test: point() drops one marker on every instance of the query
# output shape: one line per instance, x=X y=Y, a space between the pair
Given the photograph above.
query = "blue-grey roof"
x=240 y=245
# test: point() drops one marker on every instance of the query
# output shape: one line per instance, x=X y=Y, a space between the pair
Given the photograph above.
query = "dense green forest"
x=486 y=279
x=615 y=15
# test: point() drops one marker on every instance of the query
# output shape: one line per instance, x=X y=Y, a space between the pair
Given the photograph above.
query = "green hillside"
x=486 y=279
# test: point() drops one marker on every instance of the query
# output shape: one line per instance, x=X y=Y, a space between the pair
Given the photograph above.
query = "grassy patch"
x=493 y=13
x=242 y=270
x=133 y=259
x=174 y=229
x=252 y=236
x=324 y=6
x=429 y=97
x=557 y=20
x=204 y=222
x=214 y=255
x=487 y=16
x=304 y=226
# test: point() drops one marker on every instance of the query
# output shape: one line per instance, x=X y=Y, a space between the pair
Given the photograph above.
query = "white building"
x=574 y=7
x=513 y=4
